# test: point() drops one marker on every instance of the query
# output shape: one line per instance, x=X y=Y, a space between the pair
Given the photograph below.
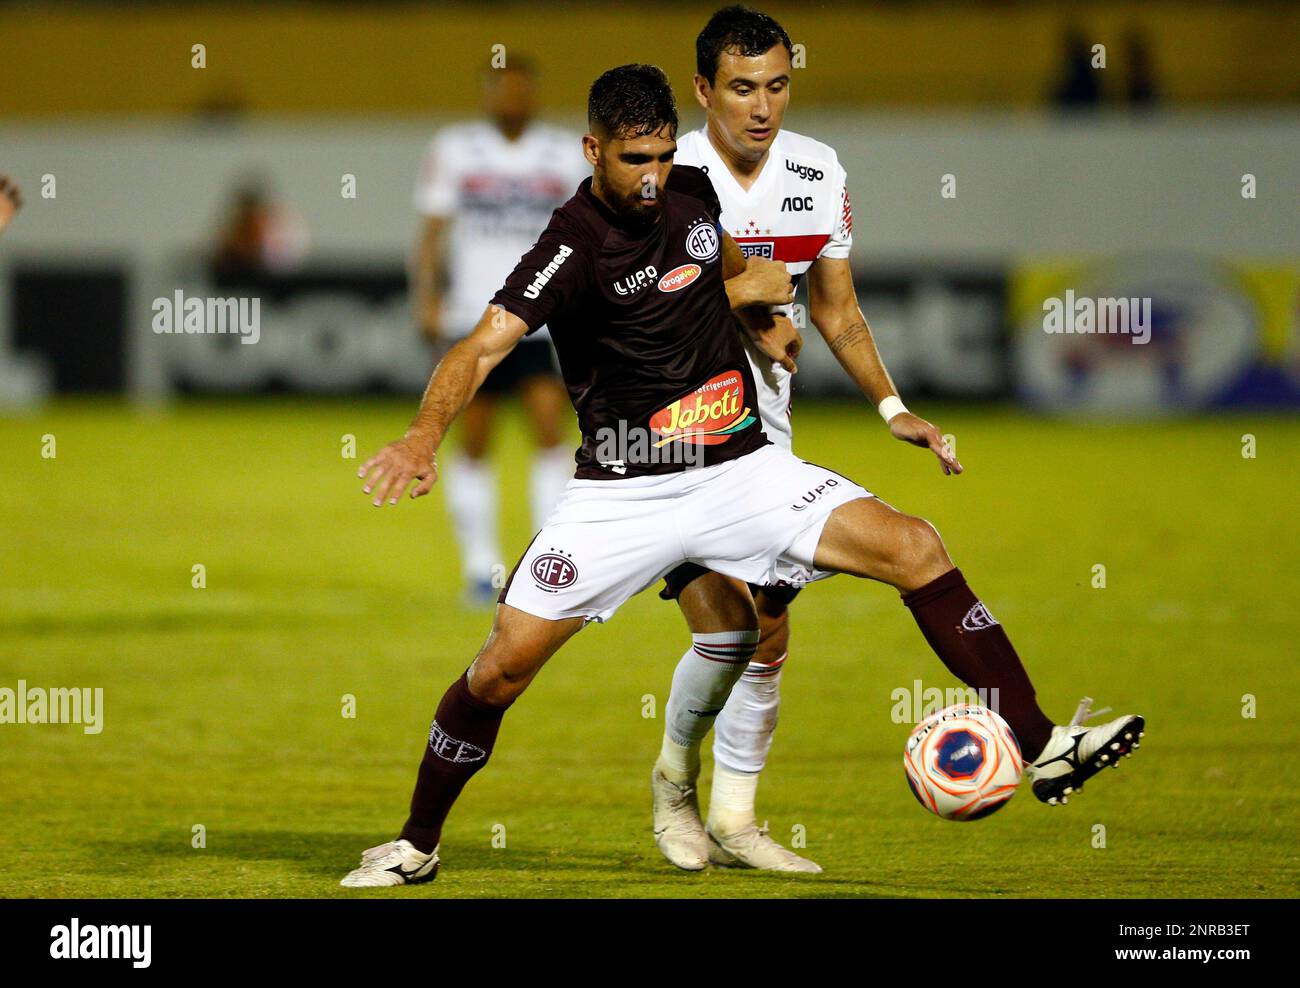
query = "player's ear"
x=702 y=90
x=591 y=149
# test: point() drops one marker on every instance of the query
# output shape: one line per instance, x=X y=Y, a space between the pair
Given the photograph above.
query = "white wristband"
x=891 y=406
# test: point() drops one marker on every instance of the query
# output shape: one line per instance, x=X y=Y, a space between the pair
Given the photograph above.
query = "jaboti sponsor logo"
x=709 y=415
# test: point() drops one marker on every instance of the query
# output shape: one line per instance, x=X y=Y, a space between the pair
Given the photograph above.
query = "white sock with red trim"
x=701 y=682
x=741 y=743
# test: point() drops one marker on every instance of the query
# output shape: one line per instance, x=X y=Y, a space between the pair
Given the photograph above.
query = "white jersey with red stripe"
x=497 y=196
x=796 y=211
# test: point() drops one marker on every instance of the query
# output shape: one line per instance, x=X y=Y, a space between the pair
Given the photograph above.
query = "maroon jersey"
x=647 y=343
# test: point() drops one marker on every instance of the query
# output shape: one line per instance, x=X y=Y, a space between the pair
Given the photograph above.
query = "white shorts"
x=757 y=518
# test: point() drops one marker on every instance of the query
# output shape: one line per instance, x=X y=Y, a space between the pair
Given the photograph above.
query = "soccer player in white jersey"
x=486 y=191
x=784 y=201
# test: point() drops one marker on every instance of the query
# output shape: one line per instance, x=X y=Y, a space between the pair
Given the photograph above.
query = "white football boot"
x=1075 y=753
x=394 y=863
x=751 y=847
x=679 y=832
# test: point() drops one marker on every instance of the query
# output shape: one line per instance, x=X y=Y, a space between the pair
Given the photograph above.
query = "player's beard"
x=633 y=207
x=641 y=211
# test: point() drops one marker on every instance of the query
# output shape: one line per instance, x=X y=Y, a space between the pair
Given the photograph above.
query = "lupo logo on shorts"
x=553 y=572
x=708 y=416
x=814 y=495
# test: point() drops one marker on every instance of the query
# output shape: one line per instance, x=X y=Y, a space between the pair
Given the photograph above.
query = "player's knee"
x=474 y=446
x=926 y=555
x=548 y=435
x=773 y=635
x=492 y=680
x=549 y=428
x=548 y=431
x=713 y=603
x=739 y=615
x=476 y=431
x=547 y=403
x=504 y=667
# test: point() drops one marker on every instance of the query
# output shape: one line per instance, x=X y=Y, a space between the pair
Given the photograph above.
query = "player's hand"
x=780 y=341
x=11 y=200
x=390 y=471
x=917 y=431
x=765 y=282
x=431 y=320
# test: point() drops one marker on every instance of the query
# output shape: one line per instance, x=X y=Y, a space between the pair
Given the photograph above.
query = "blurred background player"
x=11 y=200
x=258 y=235
x=486 y=190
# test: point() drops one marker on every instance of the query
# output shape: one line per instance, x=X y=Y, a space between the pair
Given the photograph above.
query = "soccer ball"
x=963 y=762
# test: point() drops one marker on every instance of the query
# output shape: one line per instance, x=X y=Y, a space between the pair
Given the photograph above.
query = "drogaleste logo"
x=709 y=415
x=678 y=278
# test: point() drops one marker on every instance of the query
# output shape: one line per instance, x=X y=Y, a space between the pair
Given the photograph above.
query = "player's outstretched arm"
x=455 y=380
x=753 y=286
x=833 y=307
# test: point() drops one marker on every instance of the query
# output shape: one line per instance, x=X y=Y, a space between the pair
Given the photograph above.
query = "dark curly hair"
x=631 y=101
x=736 y=29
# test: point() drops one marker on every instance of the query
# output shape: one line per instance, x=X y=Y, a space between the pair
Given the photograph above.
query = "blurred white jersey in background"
x=497 y=195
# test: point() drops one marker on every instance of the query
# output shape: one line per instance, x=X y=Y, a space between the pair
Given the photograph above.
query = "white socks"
x=705 y=689
x=731 y=805
x=551 y=471
x=471 y=492
x=679 y=763
x=747 y=722
x=470 y=487
x=701 y=682
x=740 y=746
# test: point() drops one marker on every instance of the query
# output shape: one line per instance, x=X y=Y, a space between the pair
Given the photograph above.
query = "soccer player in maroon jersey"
x=674 y=465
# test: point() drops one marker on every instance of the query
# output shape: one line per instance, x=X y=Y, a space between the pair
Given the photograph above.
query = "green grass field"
x=222 y=706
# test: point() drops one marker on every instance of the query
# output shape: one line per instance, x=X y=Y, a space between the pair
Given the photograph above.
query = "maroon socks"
x=460 y=741
x=972 y=644
x=960 y=629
